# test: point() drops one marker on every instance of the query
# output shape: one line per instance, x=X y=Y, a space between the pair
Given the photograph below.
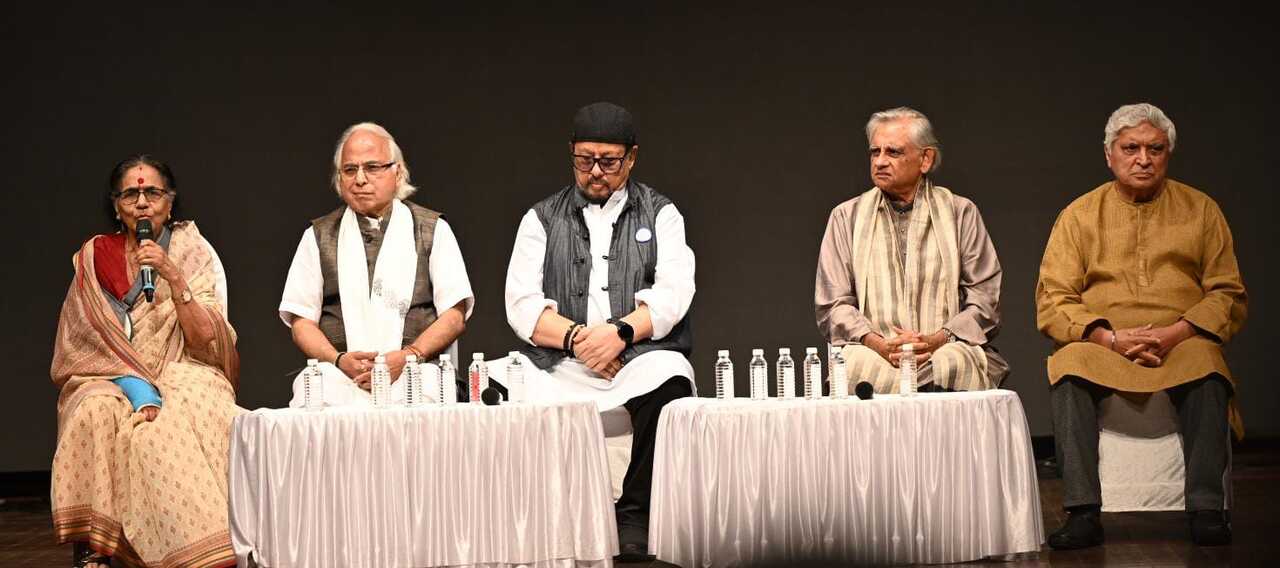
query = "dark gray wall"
x=750 y=120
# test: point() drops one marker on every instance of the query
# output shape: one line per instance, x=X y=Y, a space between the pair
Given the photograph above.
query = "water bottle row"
x=758 y=372
x=424 y=382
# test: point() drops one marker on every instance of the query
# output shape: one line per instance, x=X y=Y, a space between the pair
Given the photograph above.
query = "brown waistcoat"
x=422 y=309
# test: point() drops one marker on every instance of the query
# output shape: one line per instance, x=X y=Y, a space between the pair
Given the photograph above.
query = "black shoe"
x=633 y=544
x=1210 y=528
x=82 y=556
x=1082 y=530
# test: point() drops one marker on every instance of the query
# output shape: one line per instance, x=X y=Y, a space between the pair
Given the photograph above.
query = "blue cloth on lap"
x=139 y=391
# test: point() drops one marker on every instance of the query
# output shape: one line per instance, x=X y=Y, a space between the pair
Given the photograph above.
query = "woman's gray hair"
x=403 y=188
x=1129 y=116
x=921 y=130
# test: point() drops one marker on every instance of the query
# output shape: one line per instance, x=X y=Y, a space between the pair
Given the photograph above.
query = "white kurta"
x=668 y=301
x=304 y=295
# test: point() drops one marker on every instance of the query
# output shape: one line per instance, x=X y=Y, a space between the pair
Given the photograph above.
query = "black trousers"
x=1202 y=421
x=632 y=507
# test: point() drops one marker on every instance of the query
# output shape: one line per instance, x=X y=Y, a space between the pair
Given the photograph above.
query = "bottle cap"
x=411 y=358
x=313 y=362
x=908 y=347
x=513 y=354
x=755 y=352
x=784 y=350
x=477 y=356
x=445 y=357
x=380 y=359
x=810 y=350
x=722 y=353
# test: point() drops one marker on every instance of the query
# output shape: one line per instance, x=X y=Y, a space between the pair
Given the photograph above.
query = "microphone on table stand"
x=490 y=396
x=864 y=390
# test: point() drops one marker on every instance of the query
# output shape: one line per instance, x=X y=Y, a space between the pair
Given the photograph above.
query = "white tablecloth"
x=433 y=486
x=932 y=478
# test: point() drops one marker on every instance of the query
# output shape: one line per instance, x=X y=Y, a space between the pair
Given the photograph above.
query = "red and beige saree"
x=151 y=493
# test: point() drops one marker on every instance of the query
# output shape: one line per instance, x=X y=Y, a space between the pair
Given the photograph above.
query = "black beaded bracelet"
x=338 y=358
x=568 y=337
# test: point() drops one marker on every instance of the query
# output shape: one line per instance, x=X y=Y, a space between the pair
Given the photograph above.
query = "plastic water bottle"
x=515 y=377
x=414 y=394
x=786 y=375
x=839 y=372
x=381 y=382
x=448 y=383
x=758 y=370
x=812 y=373
x=477 y=377
x=907 y=370
x=312 y=386
x=724 y=375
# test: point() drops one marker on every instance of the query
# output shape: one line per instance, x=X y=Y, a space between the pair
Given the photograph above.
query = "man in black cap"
x=599 y=286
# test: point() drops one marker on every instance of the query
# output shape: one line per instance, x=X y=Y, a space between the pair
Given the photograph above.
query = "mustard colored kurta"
x=1131 y=264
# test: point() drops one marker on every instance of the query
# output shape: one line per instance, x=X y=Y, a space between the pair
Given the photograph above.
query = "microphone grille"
x=143 y=228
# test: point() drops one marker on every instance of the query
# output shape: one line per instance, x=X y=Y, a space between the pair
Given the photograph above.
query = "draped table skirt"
x=434 y=486
x=946 y=477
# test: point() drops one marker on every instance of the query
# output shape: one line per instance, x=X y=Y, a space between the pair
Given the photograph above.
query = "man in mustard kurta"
x=1139 y=289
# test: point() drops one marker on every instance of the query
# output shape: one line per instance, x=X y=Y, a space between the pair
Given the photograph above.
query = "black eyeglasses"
x=608 y=164
x=371 y=169
x=130 y=196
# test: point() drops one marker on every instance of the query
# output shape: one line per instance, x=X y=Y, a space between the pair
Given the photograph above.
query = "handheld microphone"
x=864 y=390
x=490 y=396
x=143 y=229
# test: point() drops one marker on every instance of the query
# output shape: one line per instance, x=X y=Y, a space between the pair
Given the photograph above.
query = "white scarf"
x=373 y=316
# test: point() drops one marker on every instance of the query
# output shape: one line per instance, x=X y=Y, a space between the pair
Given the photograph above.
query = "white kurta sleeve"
x=449 y=282
x=673 y=287
x=525 y=300
x=304 y=287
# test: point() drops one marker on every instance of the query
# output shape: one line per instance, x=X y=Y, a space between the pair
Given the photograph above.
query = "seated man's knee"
x=673 y=388
x=861 y=357
x=1216 y=384
x=856 y=351
x=1071 y=387
x=1212 y=387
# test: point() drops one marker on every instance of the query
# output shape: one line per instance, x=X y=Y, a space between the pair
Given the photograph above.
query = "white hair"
x=1129 y=116
x=403 y=188
x=920 y=129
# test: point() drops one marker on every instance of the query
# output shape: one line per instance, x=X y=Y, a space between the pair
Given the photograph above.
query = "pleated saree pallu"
x=152 y=493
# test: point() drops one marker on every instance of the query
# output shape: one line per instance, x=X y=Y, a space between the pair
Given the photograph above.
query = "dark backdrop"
x=751 y=120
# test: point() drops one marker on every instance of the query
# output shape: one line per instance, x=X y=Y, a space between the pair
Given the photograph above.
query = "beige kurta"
x=1131 y=264
x=912 y=296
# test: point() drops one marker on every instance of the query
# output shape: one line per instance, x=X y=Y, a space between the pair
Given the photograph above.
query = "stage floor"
x=1133 y=539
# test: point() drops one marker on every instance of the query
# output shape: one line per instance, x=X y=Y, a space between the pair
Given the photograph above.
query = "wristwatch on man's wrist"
x=185 y=297
x=625 y=331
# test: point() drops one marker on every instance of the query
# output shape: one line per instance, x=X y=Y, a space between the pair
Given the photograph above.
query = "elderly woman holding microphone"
x=147 y=367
